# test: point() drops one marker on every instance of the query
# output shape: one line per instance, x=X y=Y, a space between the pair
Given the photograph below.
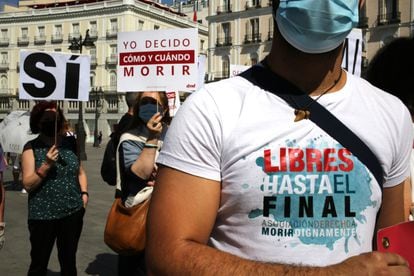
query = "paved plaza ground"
x=93 y=258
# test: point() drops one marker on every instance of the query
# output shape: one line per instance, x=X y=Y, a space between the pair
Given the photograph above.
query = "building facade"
x=47 y=25
x=240 y=32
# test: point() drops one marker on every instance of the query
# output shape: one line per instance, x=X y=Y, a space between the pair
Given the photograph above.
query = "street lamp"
x=98 y=94
x=77 y=45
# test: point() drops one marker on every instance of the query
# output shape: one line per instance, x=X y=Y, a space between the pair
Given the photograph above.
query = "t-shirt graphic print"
x=318 y=194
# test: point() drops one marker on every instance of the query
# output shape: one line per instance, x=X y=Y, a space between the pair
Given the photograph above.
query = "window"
x=114 y=25
x=58 y=50
x=270 y=34
x=41 y=31
x=92 y=78
x=254 y=27
x=24 y=32
x=388 y=11
x=112 y=79
x=225 y=65
x=140 y=25
x=3 y=81
x=226 y=32
x=58 y=30
x=75 y=28
x=4 y=57
x=253 y=58
x=4 y=33
x=112 y=49
x=93 y=27
x=92 y=52
x=156 y=27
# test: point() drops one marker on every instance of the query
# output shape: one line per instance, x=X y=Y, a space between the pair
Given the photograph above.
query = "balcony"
x=253 y=38
x=389 y=18
x=224 y=9
x=4 y=66
x=112 y=60
x=112 y=33
x=40 y=39
x=6 y=91
x=23 y=40
x=57 y=38
x=251 y=4
x=4 y=41
x=71 y=36
x=224 y=41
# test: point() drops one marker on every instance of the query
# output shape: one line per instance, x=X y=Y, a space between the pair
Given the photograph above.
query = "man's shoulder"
x=374 y=94
x=227 y=90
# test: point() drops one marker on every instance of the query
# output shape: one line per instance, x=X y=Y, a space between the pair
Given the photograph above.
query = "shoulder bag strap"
x=124 y=137
x=267 y=80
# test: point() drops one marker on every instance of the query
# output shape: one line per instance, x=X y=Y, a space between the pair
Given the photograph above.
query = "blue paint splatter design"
x=354 y=184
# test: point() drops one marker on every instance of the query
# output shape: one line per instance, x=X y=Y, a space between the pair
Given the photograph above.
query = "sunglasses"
x=148 y=100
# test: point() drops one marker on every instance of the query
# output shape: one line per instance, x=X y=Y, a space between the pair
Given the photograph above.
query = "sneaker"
x=24 y=191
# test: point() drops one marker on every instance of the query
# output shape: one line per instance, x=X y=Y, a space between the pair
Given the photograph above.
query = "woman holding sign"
x=137 y=152
x=57 y=187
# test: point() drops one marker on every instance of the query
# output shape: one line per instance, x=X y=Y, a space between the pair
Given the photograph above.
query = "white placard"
x=236 y=69
x=54 y=76
x=160 y=60
x=353 y=52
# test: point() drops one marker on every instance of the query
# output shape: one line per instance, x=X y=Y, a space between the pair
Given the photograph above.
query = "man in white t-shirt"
x=244 y=189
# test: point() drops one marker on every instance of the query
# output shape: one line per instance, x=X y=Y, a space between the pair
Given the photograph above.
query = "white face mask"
x=316 y=26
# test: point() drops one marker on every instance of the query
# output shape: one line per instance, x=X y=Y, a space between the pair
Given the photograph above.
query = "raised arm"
x=32 y=176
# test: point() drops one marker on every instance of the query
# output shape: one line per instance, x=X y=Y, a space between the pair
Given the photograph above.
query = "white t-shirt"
x=290 y=193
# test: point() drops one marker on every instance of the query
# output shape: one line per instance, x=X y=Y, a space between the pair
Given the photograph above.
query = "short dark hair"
x=392 y=70
x=37 y=113
x=131 y=98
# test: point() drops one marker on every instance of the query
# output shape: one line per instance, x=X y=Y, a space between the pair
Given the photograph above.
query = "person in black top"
x=57 y=186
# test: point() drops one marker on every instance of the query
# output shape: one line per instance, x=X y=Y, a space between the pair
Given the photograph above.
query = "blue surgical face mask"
x=146 y=111
x=316 y=26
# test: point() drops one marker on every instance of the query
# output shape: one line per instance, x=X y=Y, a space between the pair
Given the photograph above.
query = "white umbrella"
x=15 y=131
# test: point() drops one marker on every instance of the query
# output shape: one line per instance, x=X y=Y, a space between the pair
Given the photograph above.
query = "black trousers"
x=43 y=234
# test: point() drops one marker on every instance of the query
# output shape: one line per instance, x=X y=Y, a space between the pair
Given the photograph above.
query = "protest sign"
x=160 y=60
x=352 y=57
x=236 y=69
x=54 y=76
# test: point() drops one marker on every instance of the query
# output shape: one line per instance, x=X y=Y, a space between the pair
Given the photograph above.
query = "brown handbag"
x=125 y=227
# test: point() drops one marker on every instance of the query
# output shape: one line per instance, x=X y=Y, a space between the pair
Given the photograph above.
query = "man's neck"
x=312 y=73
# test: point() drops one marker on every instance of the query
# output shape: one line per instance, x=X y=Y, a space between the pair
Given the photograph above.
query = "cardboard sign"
x=352 y=58
x=161 y=60
x=236 y=69
x=54 y=76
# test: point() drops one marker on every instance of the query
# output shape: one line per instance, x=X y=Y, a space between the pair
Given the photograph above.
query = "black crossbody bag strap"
x=267 y=80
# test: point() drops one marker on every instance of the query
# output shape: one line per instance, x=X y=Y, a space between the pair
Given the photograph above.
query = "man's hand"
x=373 y=263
